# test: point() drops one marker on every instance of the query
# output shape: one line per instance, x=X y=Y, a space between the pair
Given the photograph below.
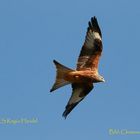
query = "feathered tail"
x=60 y=73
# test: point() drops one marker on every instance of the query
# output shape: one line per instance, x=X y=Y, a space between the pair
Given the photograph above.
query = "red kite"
x=86 y=74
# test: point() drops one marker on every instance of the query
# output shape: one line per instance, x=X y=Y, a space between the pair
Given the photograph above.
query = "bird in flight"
x=86 y=74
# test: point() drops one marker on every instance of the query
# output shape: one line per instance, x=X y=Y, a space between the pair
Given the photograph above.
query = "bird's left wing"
x=78 y=94
x=92 y=48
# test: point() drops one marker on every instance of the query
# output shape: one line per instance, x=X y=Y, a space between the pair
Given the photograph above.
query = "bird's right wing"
x=78 y=94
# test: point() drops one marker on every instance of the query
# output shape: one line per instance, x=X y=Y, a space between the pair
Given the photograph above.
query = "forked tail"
x=60 y=73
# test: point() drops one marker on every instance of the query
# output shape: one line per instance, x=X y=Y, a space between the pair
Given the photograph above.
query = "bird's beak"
x=103 y=80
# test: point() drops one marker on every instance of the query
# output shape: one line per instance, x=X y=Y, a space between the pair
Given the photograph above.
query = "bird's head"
x=98 y=78
x=101 y=78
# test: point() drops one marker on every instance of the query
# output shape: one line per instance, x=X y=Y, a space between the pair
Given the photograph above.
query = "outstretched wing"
x=92 y=48
x=78 y=94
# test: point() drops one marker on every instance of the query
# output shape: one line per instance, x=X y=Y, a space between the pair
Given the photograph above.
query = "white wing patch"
x=97 y=36
x=75 y=96
x=91 y=36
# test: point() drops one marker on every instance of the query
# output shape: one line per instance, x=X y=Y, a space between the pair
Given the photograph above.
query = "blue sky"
x=33 y=33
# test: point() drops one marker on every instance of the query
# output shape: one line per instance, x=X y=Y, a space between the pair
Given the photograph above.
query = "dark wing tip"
x=51 y=90
x=94 y=19
x=94 y=26
x=65 y=114
x=68 y=109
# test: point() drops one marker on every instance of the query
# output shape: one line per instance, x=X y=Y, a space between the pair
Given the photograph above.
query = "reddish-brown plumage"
x=79 y=76
x=93 y=62
x=86 y=73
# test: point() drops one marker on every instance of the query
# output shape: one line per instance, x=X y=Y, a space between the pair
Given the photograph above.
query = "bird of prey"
x=86 y=74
